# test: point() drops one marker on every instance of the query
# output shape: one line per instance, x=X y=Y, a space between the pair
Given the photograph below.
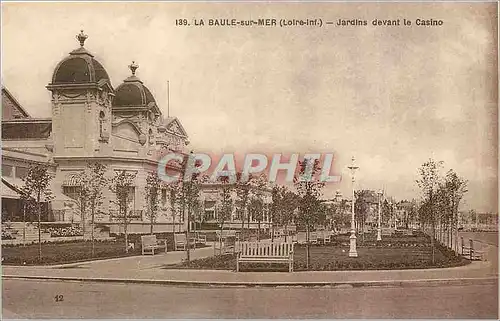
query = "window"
x=21 y=172
x=131 y=198
x=71 y=191
x=151 y=137
x=101 y=121
x=164 y=196
x=7 y=170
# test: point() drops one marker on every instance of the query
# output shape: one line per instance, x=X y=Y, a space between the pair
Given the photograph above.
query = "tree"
x=256 y=206
x=36 y=187
x=289 y=205
x=121 y=185
x=175 y=191
x=309 y=192
x=191 y=192
x=456 y=188
x=276 y=207
x=284 y=203
x=92 y=182
x=152 y=196
x=429 y=183
x=361 y=207
x=225 y=204
x=29 y=208
x=242 y=199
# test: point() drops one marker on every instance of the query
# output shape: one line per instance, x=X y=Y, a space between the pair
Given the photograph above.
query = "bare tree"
x=121 y=185
x=309 y=192
x=152 y=195
x=225 y=204
x=429 y=183
x=37 y=187
x=92 y=182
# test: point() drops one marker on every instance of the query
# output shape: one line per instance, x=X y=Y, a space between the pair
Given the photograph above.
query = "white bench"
x=150 y=243
x=225 y=244
x=180 y=242
x=200 y=238
x=469 y=252
x=256 y=252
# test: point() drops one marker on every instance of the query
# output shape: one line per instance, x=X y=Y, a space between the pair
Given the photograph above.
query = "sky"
x=393 y=97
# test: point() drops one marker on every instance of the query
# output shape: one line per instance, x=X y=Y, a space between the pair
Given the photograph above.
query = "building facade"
x=122 y=128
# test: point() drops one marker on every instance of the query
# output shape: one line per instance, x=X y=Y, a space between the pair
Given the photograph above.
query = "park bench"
x=257 y=252
x=200 y=238
x=326 y=237
x=313 y=238
x=470 y=252
x=150 y=243
x=180 y=242
x=225 y=244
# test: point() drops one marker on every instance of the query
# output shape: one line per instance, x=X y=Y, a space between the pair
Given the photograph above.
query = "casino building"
x=121 y=127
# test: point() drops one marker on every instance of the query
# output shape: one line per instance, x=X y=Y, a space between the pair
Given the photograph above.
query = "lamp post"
x=352 y=239
x=379 y=230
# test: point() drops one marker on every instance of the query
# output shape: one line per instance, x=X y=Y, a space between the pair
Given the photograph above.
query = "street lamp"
x=379 y=230
x=352 y=238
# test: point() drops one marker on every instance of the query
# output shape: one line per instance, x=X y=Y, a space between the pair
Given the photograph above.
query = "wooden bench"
x=200 y=238
x=225 y=245
x=150 y=243
x=257 y=252
x=180 y=242
x=470 y=252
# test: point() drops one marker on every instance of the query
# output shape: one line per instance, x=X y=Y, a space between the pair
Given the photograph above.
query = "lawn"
x=394 y=253
x=53 y=253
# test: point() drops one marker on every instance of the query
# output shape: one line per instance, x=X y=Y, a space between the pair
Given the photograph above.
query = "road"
x=37 y=299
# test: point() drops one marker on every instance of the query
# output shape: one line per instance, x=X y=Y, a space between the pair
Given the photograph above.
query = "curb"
x=326 y=284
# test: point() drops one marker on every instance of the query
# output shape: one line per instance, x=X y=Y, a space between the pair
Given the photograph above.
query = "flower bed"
x=64 y=231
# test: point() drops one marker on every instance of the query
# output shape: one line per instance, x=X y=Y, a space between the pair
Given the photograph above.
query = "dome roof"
x=132 y=92
x=79 y=67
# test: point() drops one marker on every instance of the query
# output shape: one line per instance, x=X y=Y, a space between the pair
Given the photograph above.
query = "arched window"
x=101 y=122
x=151 y=136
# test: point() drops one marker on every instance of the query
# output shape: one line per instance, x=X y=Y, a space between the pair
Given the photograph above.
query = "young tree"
x=92 y=182
x=242 y=197
x=29 y=208
x=257 y=195
x=175 y=191
x=456 y=188
x=121 y=185
x=152 y=197
x=429 y=183
x=276 y=207
x=191 y=192
x=36 y=187
x=361 y=208
x=309 y=191
x=225 y=203
x=289 y=204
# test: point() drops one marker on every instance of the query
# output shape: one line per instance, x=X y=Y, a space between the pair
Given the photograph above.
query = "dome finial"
x=133 y=67
x=81 y=37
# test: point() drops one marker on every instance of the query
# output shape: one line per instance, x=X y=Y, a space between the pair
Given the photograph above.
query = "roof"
x=11 y=108
x=30 y=128
x=79 y=67
x=133 y=93
x=9 y=190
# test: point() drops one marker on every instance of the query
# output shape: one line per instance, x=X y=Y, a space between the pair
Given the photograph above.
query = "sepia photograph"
x=249 y=160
